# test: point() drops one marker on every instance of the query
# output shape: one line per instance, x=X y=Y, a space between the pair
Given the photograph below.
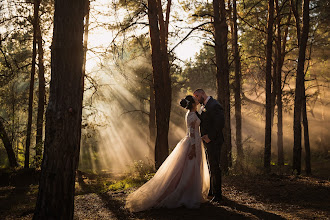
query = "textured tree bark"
x=304 y=110
x=223 y=92
x=161 y=79
x=8 y=145
x=300 y=84
x=63 y=114
x=13 y=105
x=268 y=128
x=294 y=9
x=281 y=47
x=278 y=87
x=273 y=95
x=167 y=19
x=33 y=70
x=152 y=118
x=306 y=138
x=41 y=97
x=85 y=38
x=238 y=100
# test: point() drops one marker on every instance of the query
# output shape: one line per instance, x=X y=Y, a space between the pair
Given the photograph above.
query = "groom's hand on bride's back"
x=206 y=139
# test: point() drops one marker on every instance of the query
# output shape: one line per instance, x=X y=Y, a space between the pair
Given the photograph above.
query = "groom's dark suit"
x=212 y=123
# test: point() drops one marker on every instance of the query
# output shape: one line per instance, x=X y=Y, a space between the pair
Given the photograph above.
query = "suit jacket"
x=213 y=121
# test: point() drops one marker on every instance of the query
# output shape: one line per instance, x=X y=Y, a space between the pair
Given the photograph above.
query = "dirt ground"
x=245 y=197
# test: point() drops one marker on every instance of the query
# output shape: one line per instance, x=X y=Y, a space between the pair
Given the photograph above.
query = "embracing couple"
x=189 y=174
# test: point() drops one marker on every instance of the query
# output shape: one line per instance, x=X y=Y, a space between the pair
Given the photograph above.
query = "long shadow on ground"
x=257 y=197
x=115 y=206
x=226 y=210
x=306 y=192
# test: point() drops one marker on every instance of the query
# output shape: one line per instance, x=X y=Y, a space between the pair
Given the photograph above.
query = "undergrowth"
x=137 y=174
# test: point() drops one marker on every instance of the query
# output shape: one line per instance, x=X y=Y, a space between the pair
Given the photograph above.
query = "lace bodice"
x=193 y=123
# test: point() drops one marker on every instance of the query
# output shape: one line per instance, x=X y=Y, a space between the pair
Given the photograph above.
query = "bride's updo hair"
x=187 y=102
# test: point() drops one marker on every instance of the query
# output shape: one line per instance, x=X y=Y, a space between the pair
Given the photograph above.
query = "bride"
x=183 y=179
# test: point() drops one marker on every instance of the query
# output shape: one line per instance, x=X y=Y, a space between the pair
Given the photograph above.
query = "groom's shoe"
x=216 y=199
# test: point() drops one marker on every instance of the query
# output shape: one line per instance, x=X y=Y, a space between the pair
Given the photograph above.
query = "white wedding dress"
x=179 y=181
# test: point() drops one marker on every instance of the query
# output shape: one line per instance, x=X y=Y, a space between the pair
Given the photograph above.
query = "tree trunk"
x=280 y=151
x=41 y=97
x=306 y=138
x=279 y=94
x=300 y=85
x=152 y=119
x=63 y=115
x=238 y=111
x=278 y=87
x=268 y=128
x=161 y=79
x=223 y=92
x=273 y=87
x=85 y=42
x=13 y=104
x=8 y=145
x=33 y=69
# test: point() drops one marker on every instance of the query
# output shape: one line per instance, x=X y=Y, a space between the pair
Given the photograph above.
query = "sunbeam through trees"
x=90 y=109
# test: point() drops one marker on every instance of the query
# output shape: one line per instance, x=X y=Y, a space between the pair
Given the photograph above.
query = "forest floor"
x=245 y=197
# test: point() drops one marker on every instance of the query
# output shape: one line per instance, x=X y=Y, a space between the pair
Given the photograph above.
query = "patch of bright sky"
x=100 y=36
x=188 y=49
x=5 y=12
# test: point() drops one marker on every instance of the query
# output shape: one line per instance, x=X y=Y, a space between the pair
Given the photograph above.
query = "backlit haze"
x=115 y=125
x=117 y=139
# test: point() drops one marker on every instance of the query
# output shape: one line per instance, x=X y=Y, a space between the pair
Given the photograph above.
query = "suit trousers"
x=213 y=152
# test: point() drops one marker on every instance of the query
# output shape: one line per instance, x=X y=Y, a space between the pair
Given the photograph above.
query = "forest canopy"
x=93 y=87
x=119 y=78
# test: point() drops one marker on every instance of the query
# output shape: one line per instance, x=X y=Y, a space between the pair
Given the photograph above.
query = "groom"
x=212 y=123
